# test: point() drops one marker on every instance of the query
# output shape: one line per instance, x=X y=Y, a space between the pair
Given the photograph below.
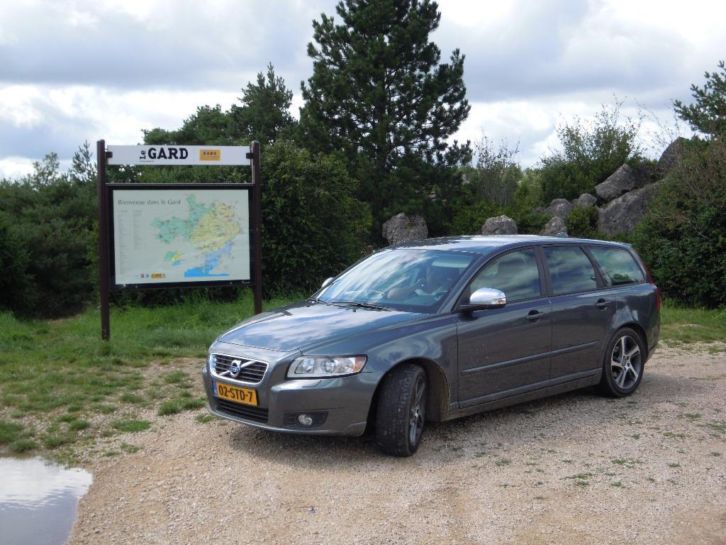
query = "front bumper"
x=338 y=406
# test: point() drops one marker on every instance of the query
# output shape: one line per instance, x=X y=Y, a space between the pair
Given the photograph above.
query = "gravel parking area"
x=577 y=468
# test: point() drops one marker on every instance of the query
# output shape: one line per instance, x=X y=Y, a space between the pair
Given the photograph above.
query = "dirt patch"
x=576 y=468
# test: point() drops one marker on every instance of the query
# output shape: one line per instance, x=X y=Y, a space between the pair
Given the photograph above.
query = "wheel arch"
x=437 y=401
x=641 y=332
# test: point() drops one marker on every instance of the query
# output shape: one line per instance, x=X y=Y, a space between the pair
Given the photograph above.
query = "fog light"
x=305 y=419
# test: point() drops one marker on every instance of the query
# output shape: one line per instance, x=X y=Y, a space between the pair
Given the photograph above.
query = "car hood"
x=310 y=324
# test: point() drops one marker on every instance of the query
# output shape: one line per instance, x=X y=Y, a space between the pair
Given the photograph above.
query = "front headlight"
x=211 y=361
x=325 y=366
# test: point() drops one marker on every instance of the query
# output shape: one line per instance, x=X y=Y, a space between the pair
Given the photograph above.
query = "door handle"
x=534 y=315
x=602 y=304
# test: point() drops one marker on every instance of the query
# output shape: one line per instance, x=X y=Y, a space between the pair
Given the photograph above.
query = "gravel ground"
x=576 y=468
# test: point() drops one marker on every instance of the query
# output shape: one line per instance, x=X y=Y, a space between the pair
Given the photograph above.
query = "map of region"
x=168 y=236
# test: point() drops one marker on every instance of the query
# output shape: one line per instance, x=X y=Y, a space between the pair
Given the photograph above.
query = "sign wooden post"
x=104 y=273
x=178 y=235
x=254 y=156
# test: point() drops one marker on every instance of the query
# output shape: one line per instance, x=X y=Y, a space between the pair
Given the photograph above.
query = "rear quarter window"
x=618 y=265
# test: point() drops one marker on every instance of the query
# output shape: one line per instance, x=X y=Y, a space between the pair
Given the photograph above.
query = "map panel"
x=164 y=236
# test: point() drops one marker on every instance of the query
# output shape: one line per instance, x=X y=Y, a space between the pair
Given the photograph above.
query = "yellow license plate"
x=244 y=396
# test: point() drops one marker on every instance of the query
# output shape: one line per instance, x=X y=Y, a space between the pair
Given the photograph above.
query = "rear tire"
x=623 y=364
x=401 y=411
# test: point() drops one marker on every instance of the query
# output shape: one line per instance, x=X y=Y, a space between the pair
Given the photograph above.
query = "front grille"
x=252 y=371
x=257 y=414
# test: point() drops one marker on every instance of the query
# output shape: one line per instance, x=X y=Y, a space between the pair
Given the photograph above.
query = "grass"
x=56 y=374
x=691 y=325
x=131 y=425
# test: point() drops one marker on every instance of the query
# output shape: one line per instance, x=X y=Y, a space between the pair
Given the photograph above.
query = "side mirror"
x=484 y=298
x=326 y=282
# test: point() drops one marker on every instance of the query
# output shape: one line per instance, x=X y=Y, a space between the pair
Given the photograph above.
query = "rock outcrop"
x=623 y=214
x=499 y=225
x=401 y=228
x=671 y=156
x=584 y=201
x=619 y=182
x=560 y=208
x=555 y=227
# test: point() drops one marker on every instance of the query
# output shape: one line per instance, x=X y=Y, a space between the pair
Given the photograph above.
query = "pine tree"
x=264 y=114
x=379 y=95
x=708 y=112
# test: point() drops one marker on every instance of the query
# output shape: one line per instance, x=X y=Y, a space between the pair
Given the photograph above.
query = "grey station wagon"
x=436 y=330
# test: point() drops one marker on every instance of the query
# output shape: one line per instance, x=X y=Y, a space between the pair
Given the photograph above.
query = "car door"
x=582 y=309
x=504 y=351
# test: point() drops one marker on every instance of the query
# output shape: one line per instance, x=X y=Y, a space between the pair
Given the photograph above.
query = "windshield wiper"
x=358 y=304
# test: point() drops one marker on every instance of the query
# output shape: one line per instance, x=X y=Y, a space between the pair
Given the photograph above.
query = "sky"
x=77 y=70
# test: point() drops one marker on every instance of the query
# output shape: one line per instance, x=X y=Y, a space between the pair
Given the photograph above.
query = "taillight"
x=658 y=298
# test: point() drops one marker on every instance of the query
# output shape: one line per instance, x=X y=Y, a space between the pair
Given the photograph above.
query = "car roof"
x=485 y=244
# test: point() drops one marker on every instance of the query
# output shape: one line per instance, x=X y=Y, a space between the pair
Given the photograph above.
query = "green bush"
x=683 y=236
x=582 y=222
x=590 y=153
x=312 y=225
x=14 y=260
x=469 y=218
x=47 y=242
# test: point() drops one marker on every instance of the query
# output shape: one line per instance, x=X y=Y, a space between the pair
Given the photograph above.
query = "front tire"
x=401 y=411
x=623 y=365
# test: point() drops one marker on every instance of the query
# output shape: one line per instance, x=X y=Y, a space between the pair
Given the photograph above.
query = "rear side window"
x=570 y=269
x=618 y=265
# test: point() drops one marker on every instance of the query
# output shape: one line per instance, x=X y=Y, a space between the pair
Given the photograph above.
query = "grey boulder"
x=619 y=182
x=671 y=156
x=624 y=213
x=555 y=227
x=401 y=228
x=499 y=225
x=584 y=201
x=560 y=208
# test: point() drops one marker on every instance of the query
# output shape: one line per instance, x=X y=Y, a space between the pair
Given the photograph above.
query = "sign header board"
x=178 y=155
x=180 y=234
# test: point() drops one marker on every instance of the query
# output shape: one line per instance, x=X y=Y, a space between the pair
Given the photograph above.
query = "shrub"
x=582 y=222
x=47 y=240
x=683 y=236
x=590 y=153
x=313 y=227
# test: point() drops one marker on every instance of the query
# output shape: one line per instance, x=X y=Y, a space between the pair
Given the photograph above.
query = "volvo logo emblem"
x=235 y=367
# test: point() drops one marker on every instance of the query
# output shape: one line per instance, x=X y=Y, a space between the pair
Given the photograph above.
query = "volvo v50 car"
x=436 y=330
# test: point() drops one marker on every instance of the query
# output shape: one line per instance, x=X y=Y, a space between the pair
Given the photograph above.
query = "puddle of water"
x=38 y=501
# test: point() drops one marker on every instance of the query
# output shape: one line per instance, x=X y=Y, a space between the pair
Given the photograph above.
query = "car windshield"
x=409 y=279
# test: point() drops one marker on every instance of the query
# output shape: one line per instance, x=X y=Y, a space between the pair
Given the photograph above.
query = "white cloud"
x=78 y=70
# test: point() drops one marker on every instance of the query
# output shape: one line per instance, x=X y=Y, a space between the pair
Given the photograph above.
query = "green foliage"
x=469 y=217
x=209 y=125
x=683 y=236
x=707 y=114
x=529 y=221
x=264 y=115
x=47 y=238
x=590 y=153
x=379 y=95
x=313 y=226
x=15 y=283
x=582 y=222
x=489 y=187
x=496 y=174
